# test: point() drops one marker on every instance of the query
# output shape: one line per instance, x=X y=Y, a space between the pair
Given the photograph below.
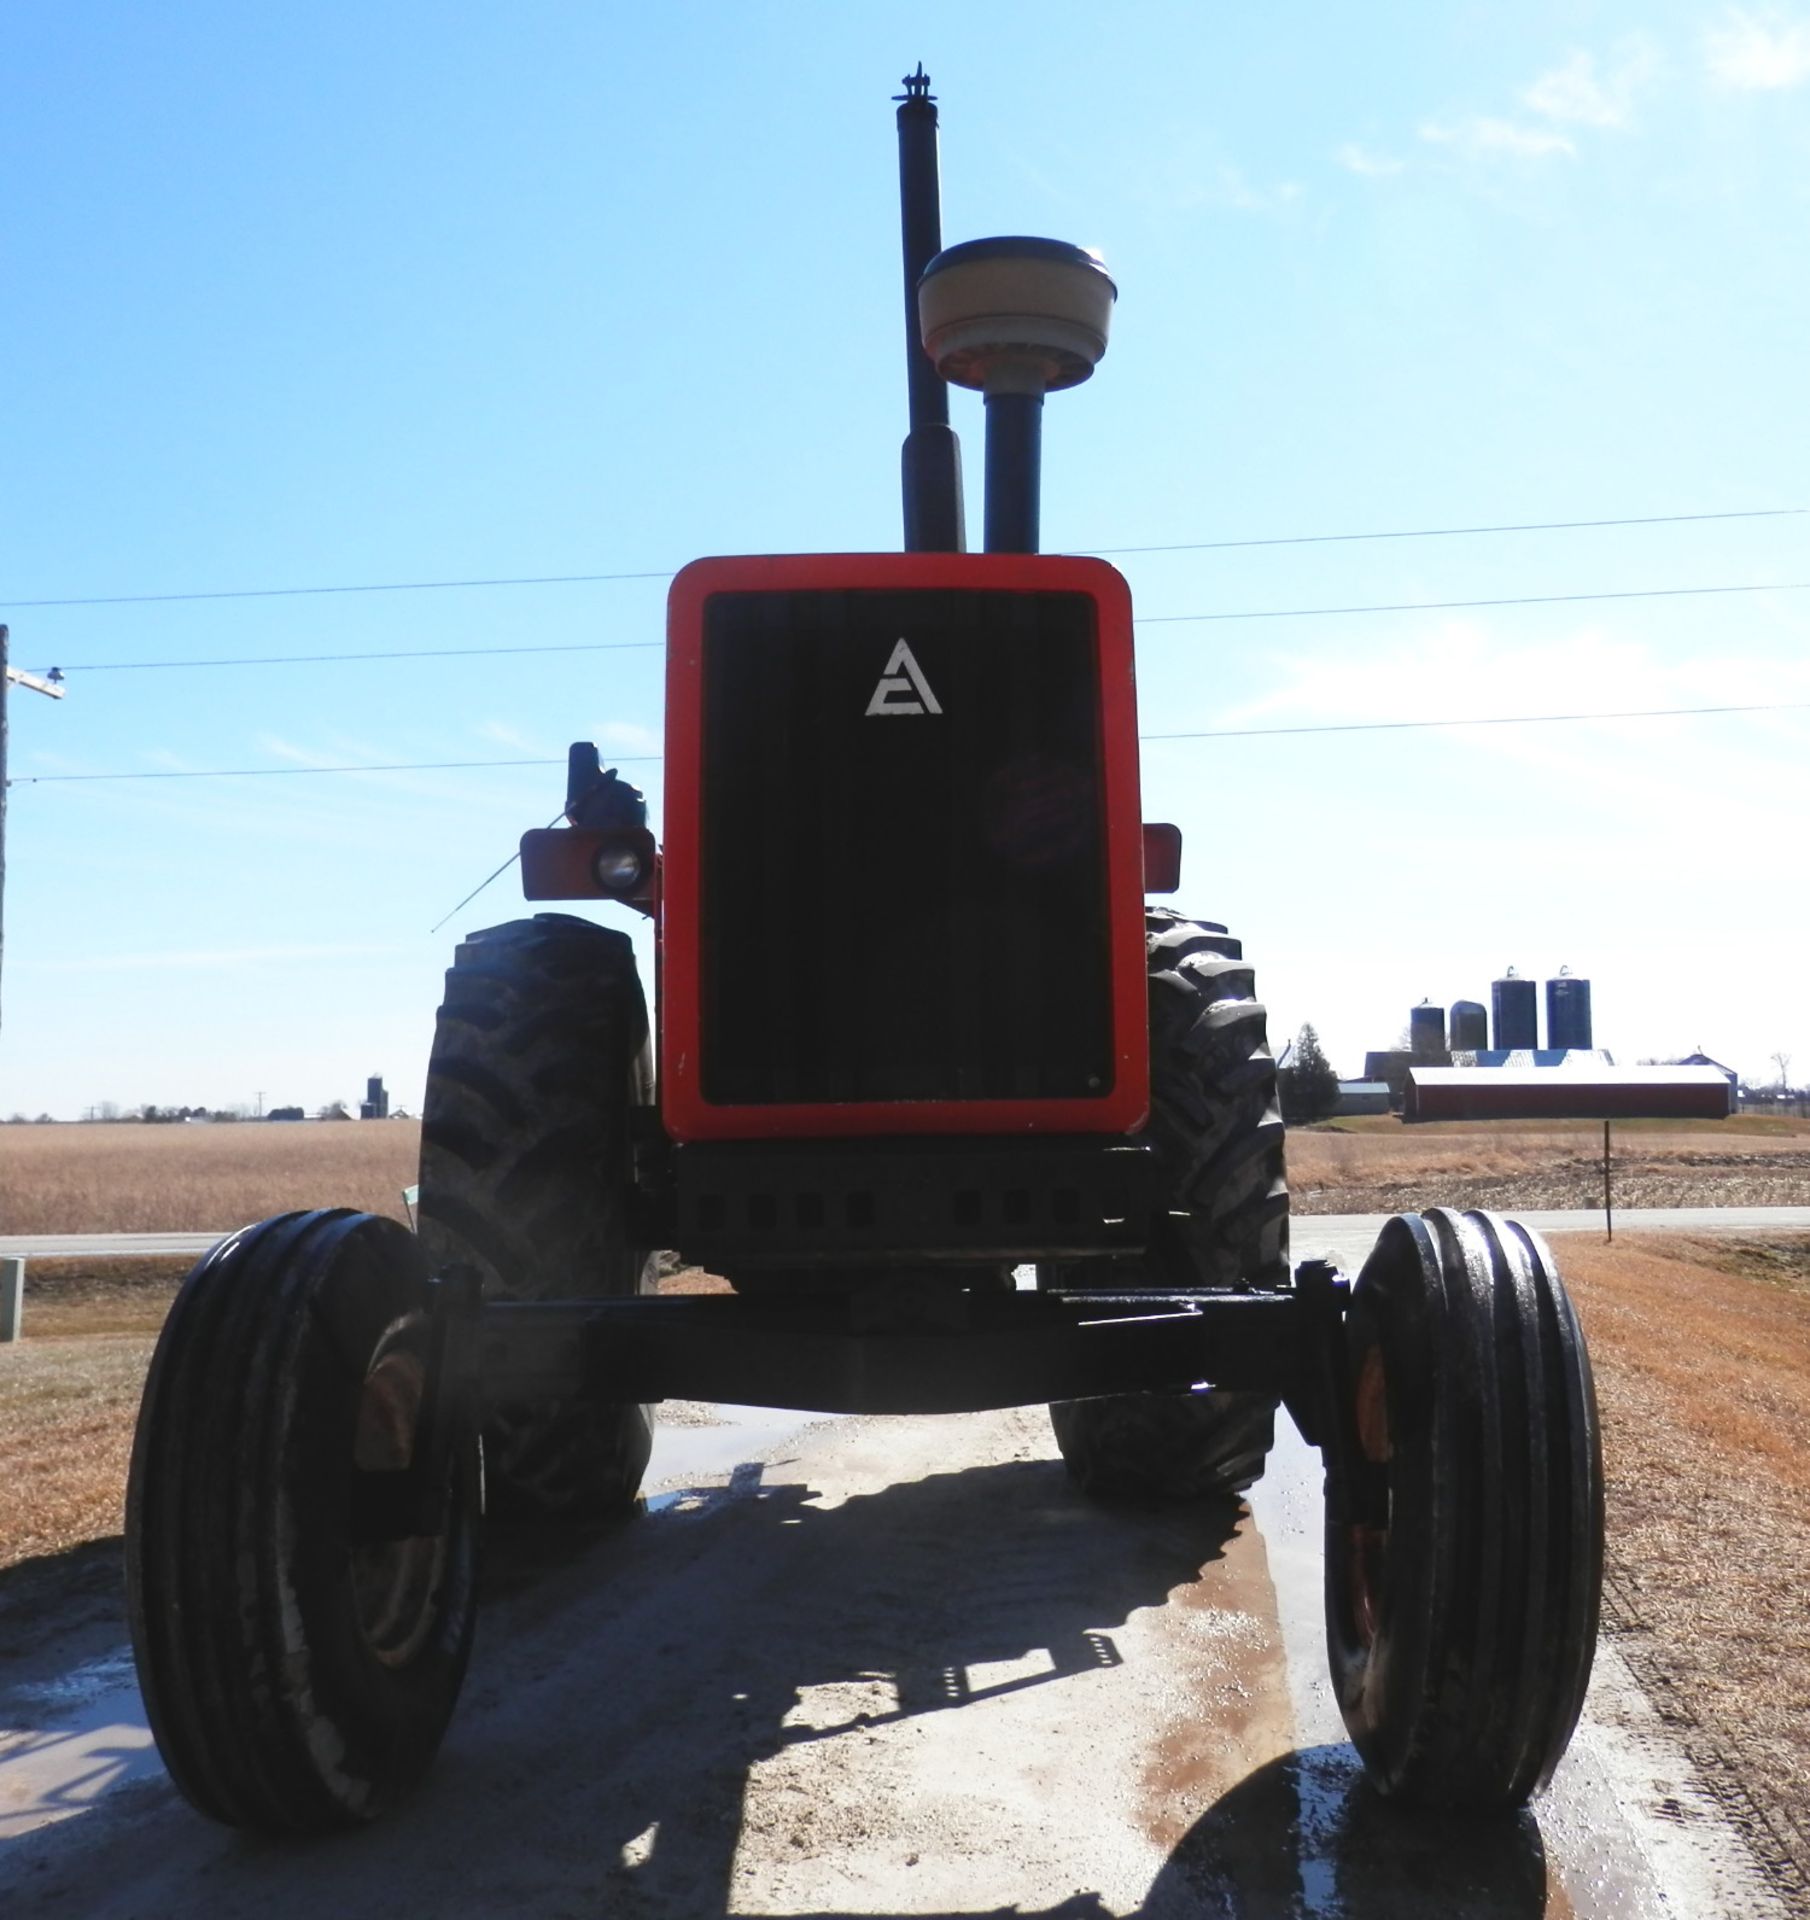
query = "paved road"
x=1349 y=1234
x=886 y=1667
x=106 y=1246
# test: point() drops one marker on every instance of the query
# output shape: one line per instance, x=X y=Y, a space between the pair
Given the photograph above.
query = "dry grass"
x=91 y=1297
x=66 y=1412
x=198 y=1179
x=1384 y=1167
x=1702 y=1354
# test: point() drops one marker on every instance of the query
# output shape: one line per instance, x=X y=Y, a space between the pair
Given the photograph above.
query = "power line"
x=1483 y=720
x=382 y=586
x=409 y=653
x=1142 y=620
x=1211 y=733
x=254 y=773
x=1446 y=533
x=1192 y=546
x=1441 y=606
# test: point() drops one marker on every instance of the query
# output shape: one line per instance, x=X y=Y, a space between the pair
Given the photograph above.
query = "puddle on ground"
x=689 y=1454
x=48 y=1772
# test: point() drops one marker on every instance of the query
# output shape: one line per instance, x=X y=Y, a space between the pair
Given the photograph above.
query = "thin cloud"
x=1765 y=52
x=1372 y=166
x=1484 y=134
x=626 y=737
x=1227 y=186
x=1184 y=171
x=1574 y=94
x=297 y=756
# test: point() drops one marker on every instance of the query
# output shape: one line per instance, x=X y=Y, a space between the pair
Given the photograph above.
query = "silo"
x=1470 y=1026
x=1515 y=1011
x=1426 y=1033
x=1568 y=1011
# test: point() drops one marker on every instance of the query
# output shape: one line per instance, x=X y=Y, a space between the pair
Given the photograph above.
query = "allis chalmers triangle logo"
x=902 y=687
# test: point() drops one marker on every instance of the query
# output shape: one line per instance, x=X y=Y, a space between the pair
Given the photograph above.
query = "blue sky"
x=333 y=295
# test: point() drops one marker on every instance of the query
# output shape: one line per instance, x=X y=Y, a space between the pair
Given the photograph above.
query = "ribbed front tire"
x=1461 y=1622
x=297 y=1674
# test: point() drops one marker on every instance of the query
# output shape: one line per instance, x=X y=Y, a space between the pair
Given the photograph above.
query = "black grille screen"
x=903 y=849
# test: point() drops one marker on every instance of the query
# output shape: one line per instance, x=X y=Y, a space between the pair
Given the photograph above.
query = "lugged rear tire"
x=1216 y=1125
x=1461 y=1621
x=540 y=1056
x=296 y=1676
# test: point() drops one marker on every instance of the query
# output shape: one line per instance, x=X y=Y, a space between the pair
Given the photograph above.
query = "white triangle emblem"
x=902 y=687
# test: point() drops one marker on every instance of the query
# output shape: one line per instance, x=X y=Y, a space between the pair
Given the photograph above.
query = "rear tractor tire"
x=540 y=1056
x=298 y=1669
x=1216 y=1125
x=1461 y=1619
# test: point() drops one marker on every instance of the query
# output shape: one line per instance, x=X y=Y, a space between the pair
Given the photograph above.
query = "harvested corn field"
x=1382 y=1166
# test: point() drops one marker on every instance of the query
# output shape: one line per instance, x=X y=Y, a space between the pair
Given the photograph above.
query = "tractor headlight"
x=619 y=869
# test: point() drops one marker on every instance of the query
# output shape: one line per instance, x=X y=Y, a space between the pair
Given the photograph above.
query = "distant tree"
x=285 y=1113
x=1309 y=1084
x=335 y=1111
x=15 y=1120
x=44 y=1120
x=1783 y=1062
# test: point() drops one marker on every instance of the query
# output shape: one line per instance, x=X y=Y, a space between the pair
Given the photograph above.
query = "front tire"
x=1216 y=1125
x=297 y=1674
x=1461 y=1620
x=540 y=1056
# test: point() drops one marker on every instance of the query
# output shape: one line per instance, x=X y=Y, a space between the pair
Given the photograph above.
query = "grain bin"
x=1568 y=1010
x=1426 y=1032
x=1515 y=1011
x=1469 y=1026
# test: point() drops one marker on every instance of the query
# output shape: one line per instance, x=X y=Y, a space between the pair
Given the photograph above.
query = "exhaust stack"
x=930 y=460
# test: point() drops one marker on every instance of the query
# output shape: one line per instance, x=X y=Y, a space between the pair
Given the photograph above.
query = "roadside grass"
x=67 y=1406
x=1702 y=1358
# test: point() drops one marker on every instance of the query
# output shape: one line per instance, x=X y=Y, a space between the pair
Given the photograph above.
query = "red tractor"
x=919 y=1033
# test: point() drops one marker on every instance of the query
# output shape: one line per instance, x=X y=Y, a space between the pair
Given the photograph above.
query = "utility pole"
x=53 y=685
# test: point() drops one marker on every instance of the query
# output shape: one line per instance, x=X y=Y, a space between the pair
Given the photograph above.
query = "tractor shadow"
x=624 y=1698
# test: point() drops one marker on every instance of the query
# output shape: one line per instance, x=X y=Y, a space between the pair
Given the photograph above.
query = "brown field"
x=136 y=1179
x=199 y=1179
x=1380 y=1166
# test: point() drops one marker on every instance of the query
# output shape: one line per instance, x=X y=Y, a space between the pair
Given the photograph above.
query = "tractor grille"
x=903 y=867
